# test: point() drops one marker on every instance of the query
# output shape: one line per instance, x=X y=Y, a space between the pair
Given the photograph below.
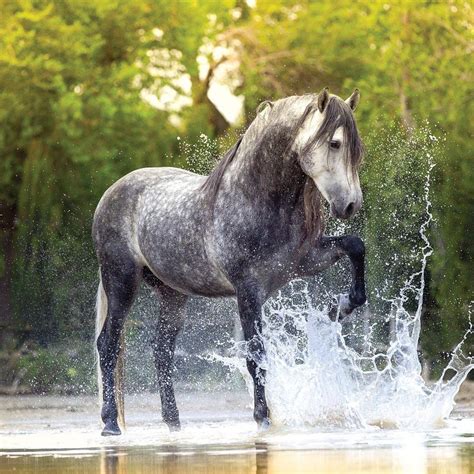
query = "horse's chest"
x=267 y=247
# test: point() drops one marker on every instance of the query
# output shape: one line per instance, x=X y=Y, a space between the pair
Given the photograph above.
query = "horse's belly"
x=192 y=277
x=177 y=255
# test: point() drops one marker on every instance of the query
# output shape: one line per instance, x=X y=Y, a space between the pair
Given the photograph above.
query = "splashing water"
x=314 y=377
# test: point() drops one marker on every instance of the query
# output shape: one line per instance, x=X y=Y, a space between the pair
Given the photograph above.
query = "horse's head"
x=330 y=150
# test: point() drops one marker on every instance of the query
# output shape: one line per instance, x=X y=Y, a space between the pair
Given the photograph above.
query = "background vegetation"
x=92 y=89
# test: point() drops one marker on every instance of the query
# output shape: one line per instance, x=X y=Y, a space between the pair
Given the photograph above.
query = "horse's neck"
x=266 y=167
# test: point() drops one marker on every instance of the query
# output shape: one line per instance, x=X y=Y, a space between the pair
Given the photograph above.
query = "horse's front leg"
x=354 y=248
x=250 y=304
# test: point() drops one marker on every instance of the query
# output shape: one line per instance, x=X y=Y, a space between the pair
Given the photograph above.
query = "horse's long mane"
x=313 y=212
x=336 y=114
x=213 y=181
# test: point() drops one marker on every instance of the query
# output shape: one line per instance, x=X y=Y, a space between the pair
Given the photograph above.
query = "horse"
x=251 y=226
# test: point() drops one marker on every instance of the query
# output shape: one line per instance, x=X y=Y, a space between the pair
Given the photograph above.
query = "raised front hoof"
x=264 y=425
x=344 y=307
x=341 y=309
x=111 y=429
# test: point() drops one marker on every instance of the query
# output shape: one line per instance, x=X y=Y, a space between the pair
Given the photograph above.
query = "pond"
x=61 y=434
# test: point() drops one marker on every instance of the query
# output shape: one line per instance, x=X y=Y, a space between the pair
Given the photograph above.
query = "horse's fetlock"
x=261 y=413
x=109 y=413
x=171 y=418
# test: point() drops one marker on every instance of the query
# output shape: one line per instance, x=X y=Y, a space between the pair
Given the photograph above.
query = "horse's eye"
x=335 y=144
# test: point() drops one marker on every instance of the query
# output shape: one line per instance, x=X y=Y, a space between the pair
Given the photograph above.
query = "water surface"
x=61 y=435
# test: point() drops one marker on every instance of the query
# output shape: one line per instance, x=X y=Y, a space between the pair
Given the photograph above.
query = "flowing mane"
x=213 y=181
x=336 y=114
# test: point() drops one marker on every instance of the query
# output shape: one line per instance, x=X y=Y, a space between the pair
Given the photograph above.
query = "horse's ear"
x=323 y=98
x=263 y=105
x=353 y=100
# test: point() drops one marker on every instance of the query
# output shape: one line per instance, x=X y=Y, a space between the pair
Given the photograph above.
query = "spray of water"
x=316 y=378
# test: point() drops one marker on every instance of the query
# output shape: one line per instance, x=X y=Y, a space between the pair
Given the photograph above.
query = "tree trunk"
x=200 y=97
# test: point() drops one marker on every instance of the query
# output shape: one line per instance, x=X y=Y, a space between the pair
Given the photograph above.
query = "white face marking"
x=328 y=168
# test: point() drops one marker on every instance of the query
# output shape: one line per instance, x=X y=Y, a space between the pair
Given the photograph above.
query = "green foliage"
x=63 y=368
x=73 y=119
x=393 y=180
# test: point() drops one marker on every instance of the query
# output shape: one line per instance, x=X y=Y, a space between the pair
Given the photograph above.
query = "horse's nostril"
x=350 y=209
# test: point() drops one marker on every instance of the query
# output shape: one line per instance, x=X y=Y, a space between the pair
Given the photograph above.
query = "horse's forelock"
x=339 y=114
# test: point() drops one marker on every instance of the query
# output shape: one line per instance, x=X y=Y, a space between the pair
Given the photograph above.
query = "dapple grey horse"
x=247 y=229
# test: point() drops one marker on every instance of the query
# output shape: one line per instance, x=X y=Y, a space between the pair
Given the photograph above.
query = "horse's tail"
x=101 y=316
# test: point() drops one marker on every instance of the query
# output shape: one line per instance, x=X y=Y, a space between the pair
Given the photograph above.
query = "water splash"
x=316 y=378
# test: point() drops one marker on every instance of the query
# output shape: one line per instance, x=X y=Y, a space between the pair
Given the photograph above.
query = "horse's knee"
x=354 y=245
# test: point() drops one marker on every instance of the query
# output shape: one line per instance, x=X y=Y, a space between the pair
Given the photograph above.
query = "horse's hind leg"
x=119 y=281
x=170 y=322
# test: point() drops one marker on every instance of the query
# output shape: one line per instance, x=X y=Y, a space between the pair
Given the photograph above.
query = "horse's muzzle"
x=346 y=210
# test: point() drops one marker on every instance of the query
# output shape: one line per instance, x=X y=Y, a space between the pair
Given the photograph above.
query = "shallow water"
x=256 y=458
x=62 y=434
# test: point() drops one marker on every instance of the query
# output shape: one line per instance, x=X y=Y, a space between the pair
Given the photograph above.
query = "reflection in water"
x=113 y=460
x=174 y=459
x=261 y=458
x=258 y=458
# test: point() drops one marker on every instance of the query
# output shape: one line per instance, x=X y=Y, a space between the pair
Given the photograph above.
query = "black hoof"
x=333 y=313
x=344 y=306
x=340 y=310
x=111 y=429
